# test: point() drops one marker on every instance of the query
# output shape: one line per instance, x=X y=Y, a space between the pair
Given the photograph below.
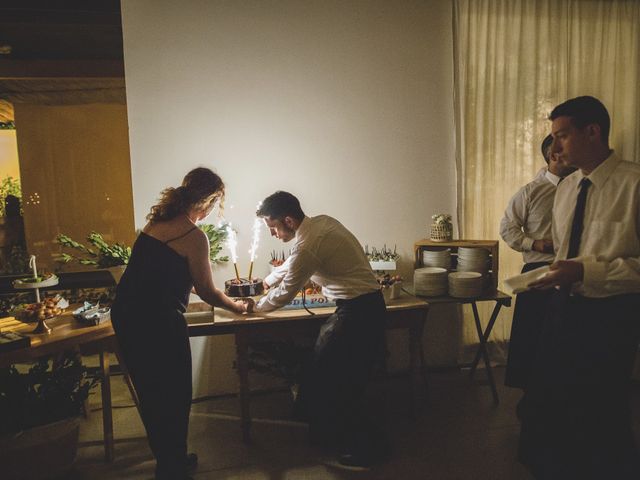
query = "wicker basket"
x=441 y=232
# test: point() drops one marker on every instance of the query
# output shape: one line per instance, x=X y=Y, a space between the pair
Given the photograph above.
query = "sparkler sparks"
x=257 y=224
x=232 y=244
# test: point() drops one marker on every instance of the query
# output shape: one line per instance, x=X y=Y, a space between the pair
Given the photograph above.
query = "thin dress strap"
x=183 y=235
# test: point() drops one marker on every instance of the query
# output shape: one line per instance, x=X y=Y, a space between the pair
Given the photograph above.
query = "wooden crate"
x=453 y=245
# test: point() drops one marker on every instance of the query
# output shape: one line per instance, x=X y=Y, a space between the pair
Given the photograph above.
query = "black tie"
x=578 y=219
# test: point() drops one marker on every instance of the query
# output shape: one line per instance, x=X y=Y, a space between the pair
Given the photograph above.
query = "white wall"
x=347 y=104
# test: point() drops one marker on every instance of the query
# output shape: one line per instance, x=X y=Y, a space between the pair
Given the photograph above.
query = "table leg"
x=242 y=366
x=127 y=379
x=483 y=337
x=415 y=336
x=107 y=420
x=486 y=333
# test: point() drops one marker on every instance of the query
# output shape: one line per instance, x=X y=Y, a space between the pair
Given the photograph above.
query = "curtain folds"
x=514 y=61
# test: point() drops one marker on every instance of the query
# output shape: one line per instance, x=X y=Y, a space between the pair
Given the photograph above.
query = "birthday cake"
x=243 y=287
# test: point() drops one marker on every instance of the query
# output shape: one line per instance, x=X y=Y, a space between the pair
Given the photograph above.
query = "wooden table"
x=501 y=299
x=67 y=333
x=407 y=312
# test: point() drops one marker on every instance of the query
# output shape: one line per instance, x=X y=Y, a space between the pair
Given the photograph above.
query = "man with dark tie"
x=576 y=422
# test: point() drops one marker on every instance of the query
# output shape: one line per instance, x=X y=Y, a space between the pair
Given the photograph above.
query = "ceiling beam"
x=16 y=69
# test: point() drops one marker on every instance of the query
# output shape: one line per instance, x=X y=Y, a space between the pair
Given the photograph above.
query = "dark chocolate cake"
x=243 y=287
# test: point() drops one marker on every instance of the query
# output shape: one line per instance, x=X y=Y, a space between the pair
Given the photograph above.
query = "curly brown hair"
x=200 y=189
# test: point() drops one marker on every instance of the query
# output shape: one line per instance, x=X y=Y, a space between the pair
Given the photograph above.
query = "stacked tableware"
x=437 y=258
x=472 y=259
x=430 y=281
x=465 y=284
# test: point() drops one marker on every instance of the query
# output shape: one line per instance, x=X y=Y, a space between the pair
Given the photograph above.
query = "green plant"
x=103 y=256
x=383 y=255
x=18 y=261
x=441 y=219
x=9 y=186
x=217 y=236
x=48 y=392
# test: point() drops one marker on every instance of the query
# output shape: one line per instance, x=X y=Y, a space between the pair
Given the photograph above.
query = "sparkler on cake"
x=244 y=287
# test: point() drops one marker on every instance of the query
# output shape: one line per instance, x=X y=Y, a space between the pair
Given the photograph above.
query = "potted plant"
x=383 y=259
x=441 y=229
x=39 y=416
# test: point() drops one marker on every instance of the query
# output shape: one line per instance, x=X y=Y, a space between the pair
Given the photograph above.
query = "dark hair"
x=200 y=188
x=585 y=111
x=279 y=205
x=544 y=148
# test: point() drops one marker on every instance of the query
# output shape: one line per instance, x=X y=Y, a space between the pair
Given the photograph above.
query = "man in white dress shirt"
x=577 y=423
x=526 y=227
x=350 y=341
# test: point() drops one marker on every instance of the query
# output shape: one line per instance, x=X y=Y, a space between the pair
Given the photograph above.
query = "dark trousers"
x=348 y=346
x=576 y=422
x=156 y=350
x=528 y=317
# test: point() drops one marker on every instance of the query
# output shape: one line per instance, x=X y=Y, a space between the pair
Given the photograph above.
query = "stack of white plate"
x=465 y=284
x=472 y=259
x=437 y=258
x=430 y=281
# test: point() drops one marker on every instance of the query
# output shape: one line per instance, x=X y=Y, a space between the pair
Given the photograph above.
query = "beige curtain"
x=514 y=61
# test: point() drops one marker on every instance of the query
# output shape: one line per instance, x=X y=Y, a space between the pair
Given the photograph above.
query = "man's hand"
x=245 y=305
x=562 y=273
x=544 y=245
x=265 y=285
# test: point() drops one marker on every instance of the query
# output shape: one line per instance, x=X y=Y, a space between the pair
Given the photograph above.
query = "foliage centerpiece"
x=217 y=236
x=100 y=255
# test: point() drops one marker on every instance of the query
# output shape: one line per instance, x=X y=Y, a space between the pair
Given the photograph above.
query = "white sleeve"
x=275 y=277
x=301 y=265
x=513 y=221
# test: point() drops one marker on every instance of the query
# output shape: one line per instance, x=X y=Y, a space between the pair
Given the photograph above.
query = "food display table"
x=490 y=294
x=406 y=312
x=500 y=299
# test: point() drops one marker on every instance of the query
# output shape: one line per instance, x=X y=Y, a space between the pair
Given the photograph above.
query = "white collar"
x=552 y=177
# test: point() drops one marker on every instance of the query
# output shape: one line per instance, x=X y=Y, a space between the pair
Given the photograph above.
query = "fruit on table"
x=389 y=280
x=42 y=310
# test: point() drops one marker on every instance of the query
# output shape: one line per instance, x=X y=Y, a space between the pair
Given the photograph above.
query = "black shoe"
x=349 y=462
x=192 y=462
x=520 y=408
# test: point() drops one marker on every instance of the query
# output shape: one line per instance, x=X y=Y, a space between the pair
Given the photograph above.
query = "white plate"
x=430 y=271
x=520 y=283
x=48 y=282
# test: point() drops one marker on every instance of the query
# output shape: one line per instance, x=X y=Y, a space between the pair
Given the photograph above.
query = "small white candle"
x=32 y=264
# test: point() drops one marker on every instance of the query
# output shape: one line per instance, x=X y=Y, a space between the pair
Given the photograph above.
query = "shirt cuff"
x=264 y=305
x=595 y=273
x=527 y=244
x=271 y=279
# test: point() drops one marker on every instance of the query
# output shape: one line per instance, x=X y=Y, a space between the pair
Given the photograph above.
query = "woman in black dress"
x=169 y=258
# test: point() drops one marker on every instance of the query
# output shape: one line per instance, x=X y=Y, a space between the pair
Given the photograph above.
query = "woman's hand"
x=245 y=305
